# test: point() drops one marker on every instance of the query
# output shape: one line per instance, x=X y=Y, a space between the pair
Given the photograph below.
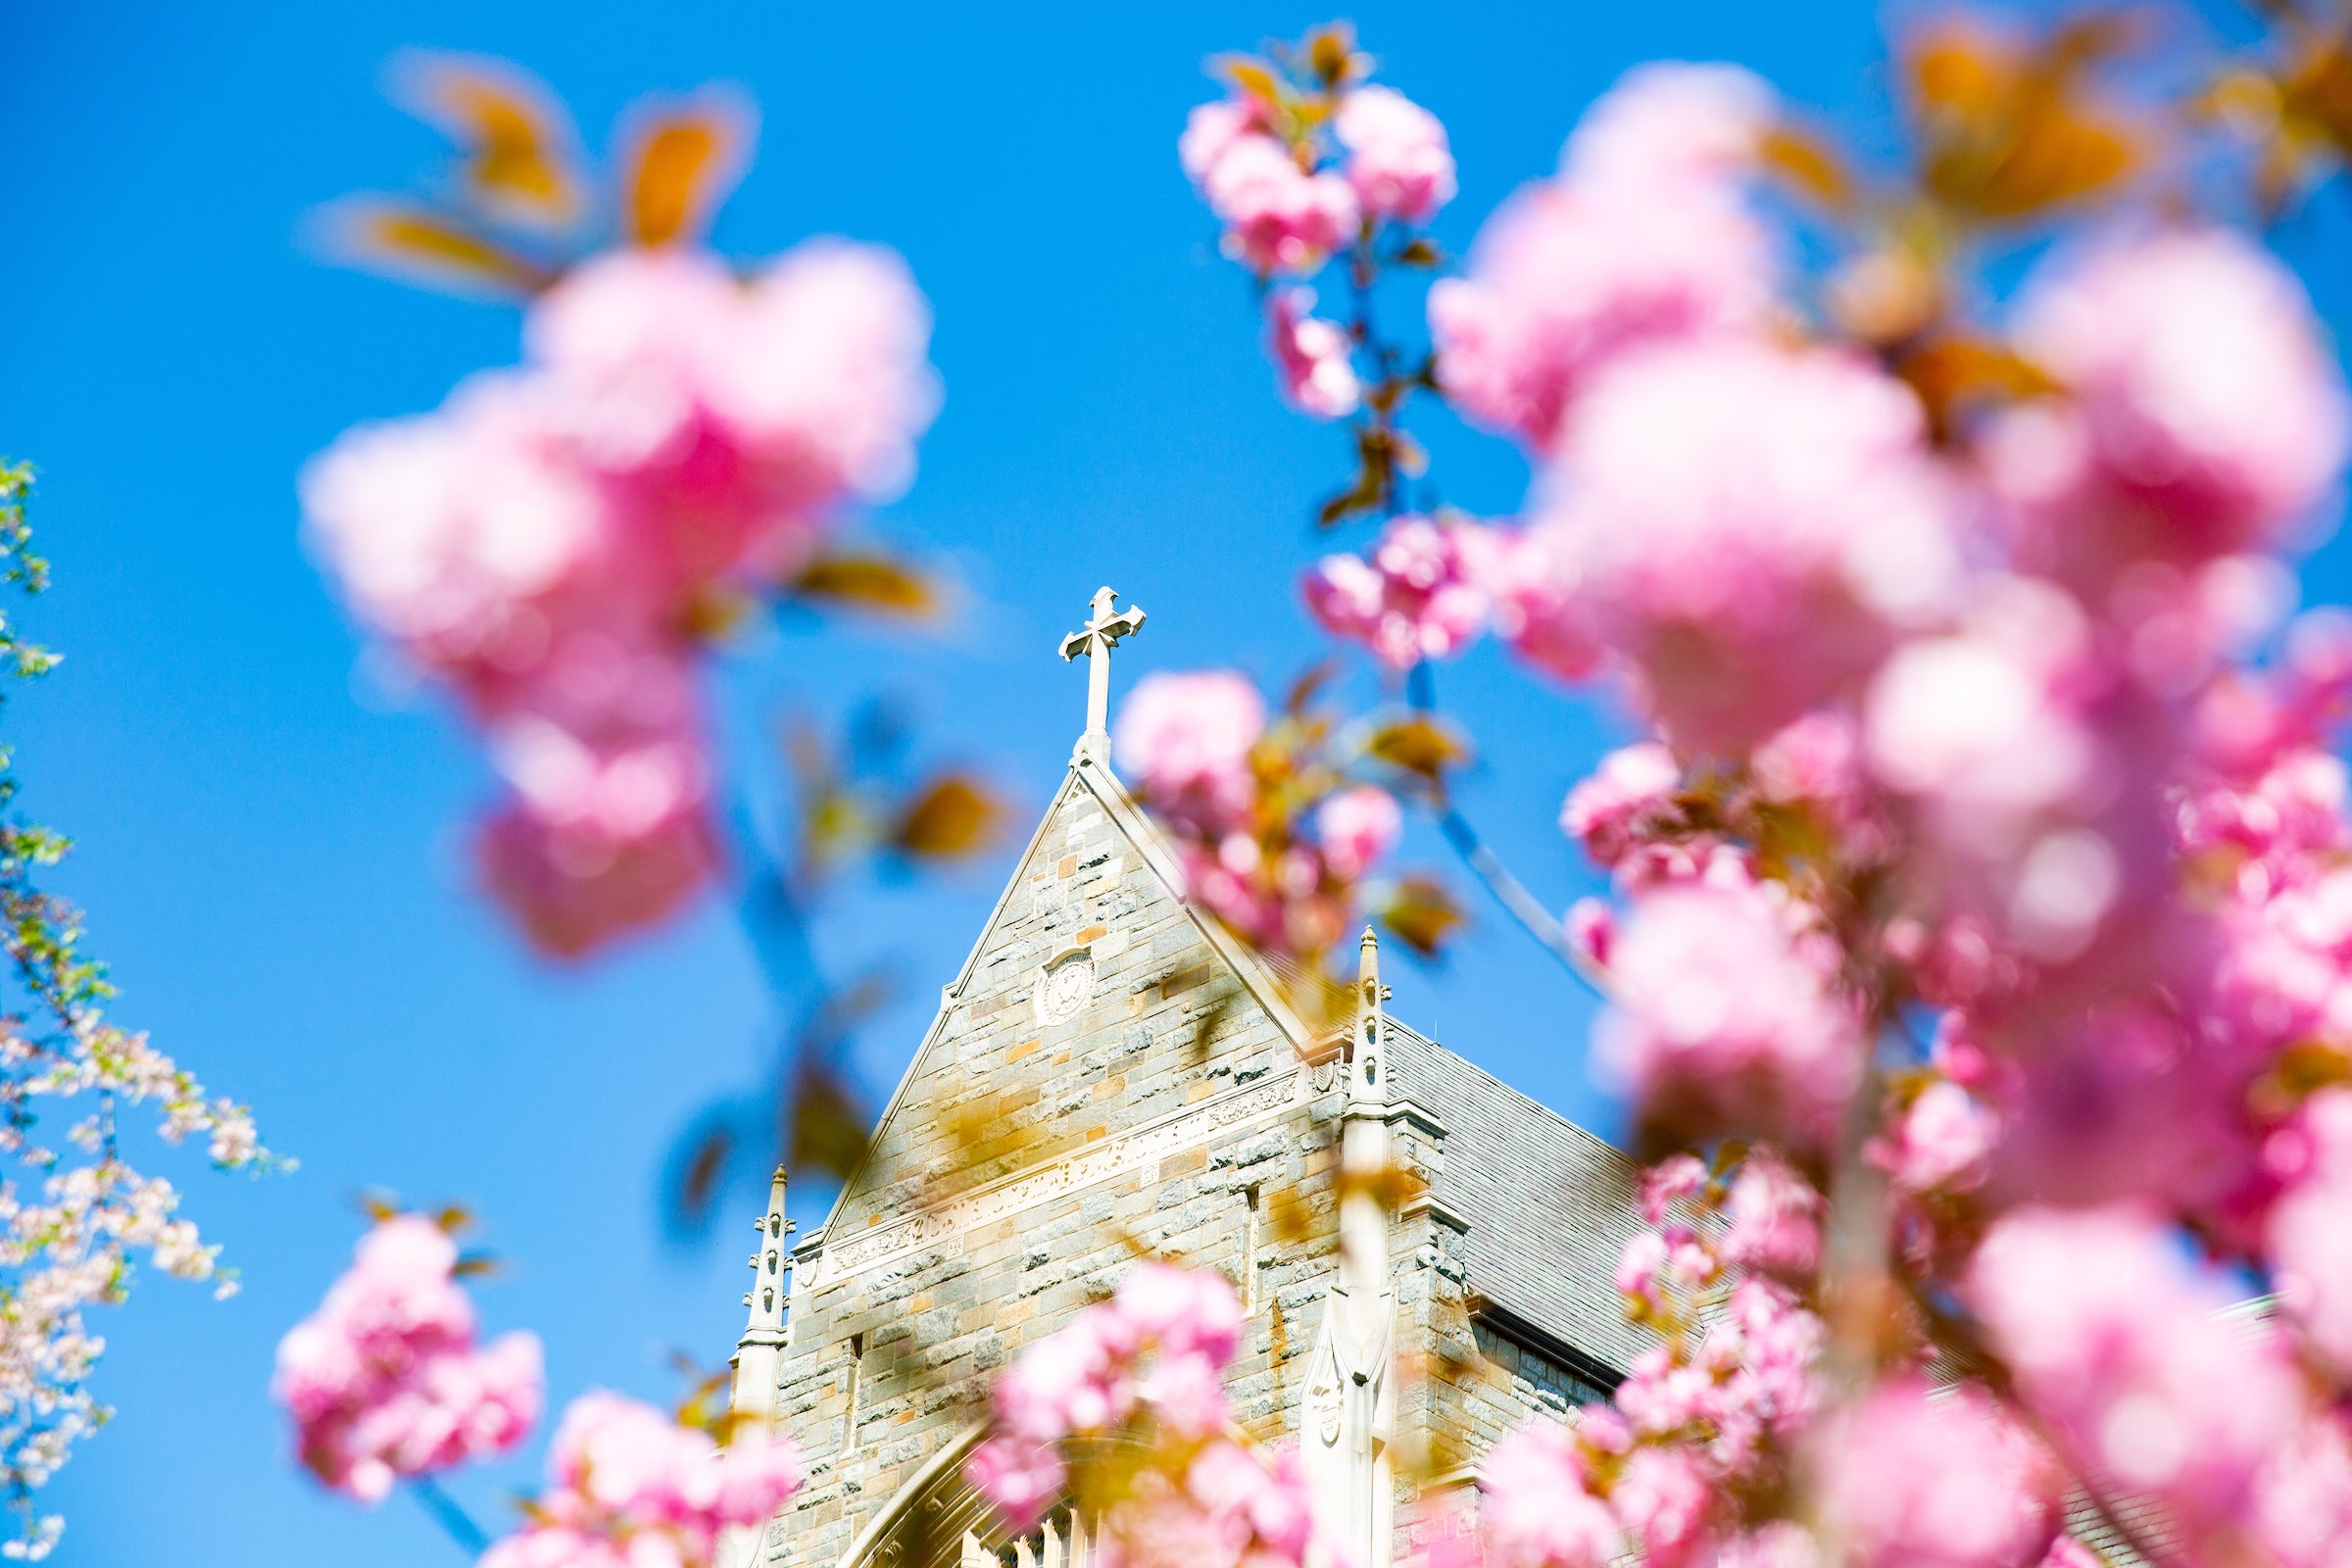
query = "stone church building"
x=1143 y=1089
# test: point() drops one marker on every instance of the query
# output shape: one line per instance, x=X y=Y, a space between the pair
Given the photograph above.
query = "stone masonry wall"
x=913 y=1340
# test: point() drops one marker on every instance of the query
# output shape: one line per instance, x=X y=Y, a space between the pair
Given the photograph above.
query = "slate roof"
x=1550 y=1205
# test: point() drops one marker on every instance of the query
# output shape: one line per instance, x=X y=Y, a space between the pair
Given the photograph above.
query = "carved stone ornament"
x=1065 y=986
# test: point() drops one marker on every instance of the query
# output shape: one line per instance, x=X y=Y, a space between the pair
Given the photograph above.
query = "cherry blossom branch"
x=458 y=1524
x=1508 y=891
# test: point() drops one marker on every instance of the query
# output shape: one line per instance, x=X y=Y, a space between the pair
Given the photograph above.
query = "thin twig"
x=451 y=1518
x=1420 y=685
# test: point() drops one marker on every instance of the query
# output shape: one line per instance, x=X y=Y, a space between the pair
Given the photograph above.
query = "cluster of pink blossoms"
x=1291 y=199
x=1989 y=836
x=557 y=542
x=1157 y=1350
x=385 y=1379
x=1189 y=742
x=629 y=1487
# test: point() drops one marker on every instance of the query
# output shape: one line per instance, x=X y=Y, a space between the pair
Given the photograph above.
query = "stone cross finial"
x=1102 y=630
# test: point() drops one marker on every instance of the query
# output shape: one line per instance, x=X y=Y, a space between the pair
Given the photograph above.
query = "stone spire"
x=759 y=1352
x=1095 y=639
x=1350 y=1393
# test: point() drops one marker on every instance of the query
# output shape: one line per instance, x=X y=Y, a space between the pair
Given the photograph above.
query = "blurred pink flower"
x=1751 y=528
x=1643 y=238
x=1608 y=811
x=1229 y=1508
x=1916 y=1480
x=386 y=1380
x=1414 y=598
x=2202 y=413
x=1356 y=827
x=2308 y=1235
x=1943 y=1141
x=1724 y=1017
x=1088 y=1375
x=1277 y=217
x=1311 y=356
x=547 y=539
x=1539 y=1510
x=2113 y=1338
x=1532 y=580
x=1774 y=1219
x=1672 y=126
x=628 y=1485
x=1398 y=159
x=1186 y=738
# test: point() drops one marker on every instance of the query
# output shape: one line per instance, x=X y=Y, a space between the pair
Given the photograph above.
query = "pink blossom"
x=1816 y=760
x=1671 y=1181
x=1084 y=1379
x=386 y=1380
x=1187 y=1311
x=1671 y=126
x=1187 y=739
x=1414 y=598
x=1916 y=1480
x=1723 y=1015
x=2203 y=414
x=2112 y=1338
x=1398 y=159
x=1229 y=1508
x=1210 y=132
x=1562 y=279
x=458 y=534
x=1662 y=1495
x=1642 y=239
x=1752 y=528
x=2302 y=1511
x=1539 y=1510
x=1607 y=811
x=1777 y=1545
x=1278 y=218
x=1774 y=1219
x=1311 y=356
x=1943 y=1141
x=1020 y=1477
x=2307 y=1233
x=1532 y=580
x=628 y=1485
x=1990 y=728
x=547 y=539
x=1356 y=828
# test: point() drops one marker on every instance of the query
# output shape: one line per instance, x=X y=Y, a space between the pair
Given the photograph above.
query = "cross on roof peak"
x=1103 y=628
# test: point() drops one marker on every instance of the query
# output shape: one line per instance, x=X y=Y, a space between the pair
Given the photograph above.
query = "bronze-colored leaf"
x=1419 y=744
x=453 y=1217
x=828 y=1124
x=868 y=581
x=419 y=245
x=2011 y=130
x=1308 y=686
x=704 y=1173
x=1957 y=372
x=1254 y=77
x=956 y=814
x=1331 y=54
x=704 y=1406
x=1422 y=913
x=681 y=161
x=517 y=138
x=1807 y=164
x=1420 y=252
x=475 y=1265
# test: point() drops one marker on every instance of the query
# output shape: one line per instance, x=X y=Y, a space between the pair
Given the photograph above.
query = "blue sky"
x=269 y=856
